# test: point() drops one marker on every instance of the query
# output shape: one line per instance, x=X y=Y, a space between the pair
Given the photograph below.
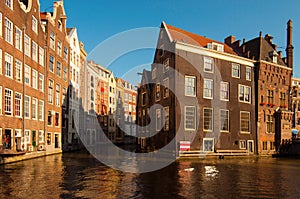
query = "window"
x=41 y=110
x=34 y=79
x=9 y=3
x=41 y=82
x=167 y=120
x=208 y=89
x=27 y=45
x=8 y=65
x=27 y=107
x=92 y=81
x=34 y=109
x=52 y=40
x=57 y=95
x=236 y=70
x=0 y=100
x=265 y=145
x=27 y=75
x=65 y=72
x=208 y=144
x=41 y=56
x=18 y=104
x=166 y=87
x=208 y=119
x=51 y=64
x=41 y=136
x=18 y=39
x=56 y=119
x=190 y=86
x=50 y=91
x=27 y=136
x=248 y=73
x=282 y=99
x=224 y=91
x=0 y=24
x=59 y=48
x=270 y=97
x=242 y=144
x=66 y=53
x=153 y=73
x=272 y=145
x=166 y=64
x=8 y=101
x=34 y=24
x=58 y=69
x=158 y=120
x=208 y=64
x=190 y=118
x=34 y=51
x=8 y=31
x=157 y=92
x=270 y=123
x=64 y=94
x=245 y=122
x=49 y=118
x=224 y=119
x=18 y=70
x=0 y=61
x=244 y=93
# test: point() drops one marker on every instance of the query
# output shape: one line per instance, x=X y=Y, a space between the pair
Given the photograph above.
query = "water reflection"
x=79 y=175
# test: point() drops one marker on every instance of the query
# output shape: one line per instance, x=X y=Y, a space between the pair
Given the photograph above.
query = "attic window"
x=273 y=55
x=216 y=46
x=59 y=25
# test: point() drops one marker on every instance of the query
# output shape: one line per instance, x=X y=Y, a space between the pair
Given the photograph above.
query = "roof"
x=180 y=35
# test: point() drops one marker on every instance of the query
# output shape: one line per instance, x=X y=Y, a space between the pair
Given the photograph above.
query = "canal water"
x=79 y=175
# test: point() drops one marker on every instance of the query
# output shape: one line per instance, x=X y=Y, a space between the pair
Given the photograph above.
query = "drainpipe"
x=24 y=86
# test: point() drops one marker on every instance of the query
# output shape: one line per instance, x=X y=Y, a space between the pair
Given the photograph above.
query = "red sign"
x=185 y=145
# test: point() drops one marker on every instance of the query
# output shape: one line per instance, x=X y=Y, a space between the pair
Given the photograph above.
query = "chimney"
x=289 y=48
x=229 y=40
x=280 y=54
x=269 y=38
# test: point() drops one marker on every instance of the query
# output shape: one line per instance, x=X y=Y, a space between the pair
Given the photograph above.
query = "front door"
x=7 y=139
x=251 y=146
x=56 y=141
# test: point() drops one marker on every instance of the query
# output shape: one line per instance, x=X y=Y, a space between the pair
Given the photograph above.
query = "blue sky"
x=98 y=21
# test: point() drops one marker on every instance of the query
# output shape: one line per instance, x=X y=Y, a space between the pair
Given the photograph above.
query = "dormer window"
x=216 y=46
x=274 y=55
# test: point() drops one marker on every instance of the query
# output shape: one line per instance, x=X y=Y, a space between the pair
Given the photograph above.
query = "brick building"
x=208 y=102
x=273 y=75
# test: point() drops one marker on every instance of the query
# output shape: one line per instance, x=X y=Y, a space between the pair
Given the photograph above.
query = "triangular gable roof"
x=177 y=34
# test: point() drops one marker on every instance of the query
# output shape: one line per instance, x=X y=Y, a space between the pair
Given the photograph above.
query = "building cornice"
x=215 y=54
x=280 y=66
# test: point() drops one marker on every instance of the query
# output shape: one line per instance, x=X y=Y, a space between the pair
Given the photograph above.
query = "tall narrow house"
x=273 y=75
x=205 y=93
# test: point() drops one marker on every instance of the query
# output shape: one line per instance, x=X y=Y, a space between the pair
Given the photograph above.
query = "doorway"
x=250 y=146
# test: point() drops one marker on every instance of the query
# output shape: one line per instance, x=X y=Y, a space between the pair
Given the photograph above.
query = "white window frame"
x=41 y=56
x=18 y=71
x=27 y=45
x=8 y=63
x=20 y=104
x=52 y=41
x=10 y=4
x=224 y=91
x=57 y=94
x=41 y=136
x=1 y=61
x=188 y=85
x=194 y=116
x=166 y=64
x=34 y=22
x=167 y=118
x=244 y=94
x=248 y=73
x=213 y=144
x=212 y=120
x=34 y=108
x=154 y=73
x=238 y=69
x=25 y=108
x=8 y=105
x=228 y=120
x=41 y=82
x=34 y=76
x=1 y=24
x=243 y=144
x=51 y=62
x=41 y=110
x=58 y=68
x=166 y=88
x=208 y=61
x=50 y=91
x=249 y=121
x=35 y=49
x=27 y=75
x=8 y=27
x=205 y=83
x=27 y=136
x=59 y=47
x=18 y=38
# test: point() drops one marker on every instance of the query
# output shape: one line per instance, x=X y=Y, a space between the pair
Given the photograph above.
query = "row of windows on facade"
x=209 y=67
x=33 y=107
x=270 y=98
x=244 y=92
